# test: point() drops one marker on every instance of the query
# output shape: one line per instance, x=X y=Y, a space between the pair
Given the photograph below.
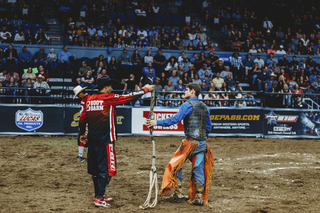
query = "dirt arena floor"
x=41 y=174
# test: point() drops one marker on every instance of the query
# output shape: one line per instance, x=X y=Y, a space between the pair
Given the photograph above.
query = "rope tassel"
x=153 y=178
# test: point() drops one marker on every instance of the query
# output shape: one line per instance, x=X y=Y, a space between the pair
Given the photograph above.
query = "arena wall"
x=250 y=121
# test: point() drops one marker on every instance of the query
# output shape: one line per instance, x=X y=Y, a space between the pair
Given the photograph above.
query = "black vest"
x=195 y=123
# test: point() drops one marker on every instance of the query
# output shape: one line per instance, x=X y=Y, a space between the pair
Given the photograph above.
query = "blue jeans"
x=198 y=169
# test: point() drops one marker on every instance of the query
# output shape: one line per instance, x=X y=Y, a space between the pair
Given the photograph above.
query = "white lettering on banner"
x=112 y=158
x=162 y=116
x=94 y=105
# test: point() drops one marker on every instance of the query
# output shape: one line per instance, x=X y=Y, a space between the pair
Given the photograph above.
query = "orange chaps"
x=184 y=153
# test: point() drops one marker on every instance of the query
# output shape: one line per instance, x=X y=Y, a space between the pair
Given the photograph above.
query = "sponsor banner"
x=236 y=121
x=123 y=115
x=291 y=123
x=140 y=115
x=31 y=119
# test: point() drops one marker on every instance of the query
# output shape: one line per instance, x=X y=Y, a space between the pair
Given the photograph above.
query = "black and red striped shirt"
x=100 y=115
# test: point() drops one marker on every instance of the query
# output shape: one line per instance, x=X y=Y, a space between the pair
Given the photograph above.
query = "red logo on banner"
x=158 y=115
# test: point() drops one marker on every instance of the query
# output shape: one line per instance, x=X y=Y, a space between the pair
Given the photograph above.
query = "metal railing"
x=168 y=99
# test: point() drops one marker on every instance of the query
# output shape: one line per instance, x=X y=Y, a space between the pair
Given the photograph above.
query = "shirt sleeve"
x=209 y=123
x=83 y=120
x=184 y=110
x=116 y=99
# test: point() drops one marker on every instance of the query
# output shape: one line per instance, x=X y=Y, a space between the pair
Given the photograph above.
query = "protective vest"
x=195 y=123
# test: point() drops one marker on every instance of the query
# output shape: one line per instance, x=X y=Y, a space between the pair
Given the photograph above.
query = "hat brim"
x=113 y=83
x=76 y=95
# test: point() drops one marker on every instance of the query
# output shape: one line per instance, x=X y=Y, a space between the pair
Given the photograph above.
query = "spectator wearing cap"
x=249 y=99
x=158 y=87
x=281 y=51
x=203 y=70
x=25 y=58
x=83 y=71
x=63 y=60
x=204 y=87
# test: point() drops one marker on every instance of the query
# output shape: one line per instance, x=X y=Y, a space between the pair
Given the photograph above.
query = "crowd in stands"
x=278 y=79
x=242 y=26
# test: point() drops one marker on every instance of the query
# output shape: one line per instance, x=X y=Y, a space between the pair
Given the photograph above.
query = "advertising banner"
x=236 y=121
x=31 y=119
x=123 y=120
x=291 y=123
x=140 y=115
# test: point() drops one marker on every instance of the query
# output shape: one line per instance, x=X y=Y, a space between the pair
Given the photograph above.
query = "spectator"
x=130 y=85
x=196 y=79
x=271 y=60
x=42 y=72
x=41 y=88
x=28 y=90
x=52 y=60
x=29 y=37
x=13 y=74
x=41 y=37
x=281 y=51
x=83 y=71
x=286 y=97
x=186 y=79
x=5 y=35
x=259 y=60
x=63 y=60
x=163 y=80
x=237 y=66
x=158 y=87
x=142 y=35
x=204 y=69
x=148 y=58
x=19 y=37
x=40 y=57
x=146 y=70
x=236 y=87
x=28 y=75
x=159 y=62
x=3 y=75
x=102 y=73
x=136 y=58
x=171 y=65
x=113 y=68
x=248 y=65
x=218 y=82
x=169 y=87
x=12 y=89
x=174 y=78
x=180 y=87
x=10 y=55
x=87 y=80
x=240 y=102
x=25 y=57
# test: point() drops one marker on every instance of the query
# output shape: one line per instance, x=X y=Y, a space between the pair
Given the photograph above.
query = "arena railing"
x=18 y=95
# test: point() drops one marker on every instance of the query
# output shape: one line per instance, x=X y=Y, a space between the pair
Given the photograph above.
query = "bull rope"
x=153 y=180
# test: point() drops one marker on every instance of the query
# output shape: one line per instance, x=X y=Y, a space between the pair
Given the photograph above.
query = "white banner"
x=139 y=116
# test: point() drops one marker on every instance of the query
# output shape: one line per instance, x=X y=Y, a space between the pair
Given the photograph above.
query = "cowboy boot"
x=198 y=198
x=178 y=193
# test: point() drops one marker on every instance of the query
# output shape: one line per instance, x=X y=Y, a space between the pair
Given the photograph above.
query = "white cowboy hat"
x=239 y=96
x=77 y=90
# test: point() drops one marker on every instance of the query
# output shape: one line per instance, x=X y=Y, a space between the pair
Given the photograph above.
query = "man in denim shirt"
x=197 y=125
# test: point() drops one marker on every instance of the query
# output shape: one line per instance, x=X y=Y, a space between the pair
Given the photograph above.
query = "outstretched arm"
x=184 y=110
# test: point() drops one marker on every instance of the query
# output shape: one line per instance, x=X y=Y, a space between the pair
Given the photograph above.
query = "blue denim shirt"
x=185 y=109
